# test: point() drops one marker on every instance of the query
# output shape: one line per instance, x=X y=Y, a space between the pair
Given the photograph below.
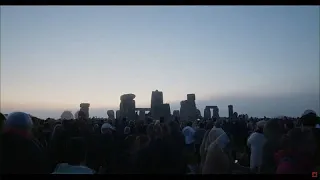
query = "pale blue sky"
x=55 y=57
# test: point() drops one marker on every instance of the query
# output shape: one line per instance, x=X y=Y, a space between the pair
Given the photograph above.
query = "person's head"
x=107 y=128
x=19 y=121
x=260 y=126
x=76 y=150
x=272 y=129
x=309 y=119
x=209 y=125
x=218 y=124
x=300 y=140
x=58 y=128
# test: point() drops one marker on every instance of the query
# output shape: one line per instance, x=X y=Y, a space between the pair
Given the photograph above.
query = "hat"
x=107 y=126
x=308 y=111
x=19 y=119
x=67 y=115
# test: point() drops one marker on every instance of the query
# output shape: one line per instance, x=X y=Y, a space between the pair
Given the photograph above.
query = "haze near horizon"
x=264 y=60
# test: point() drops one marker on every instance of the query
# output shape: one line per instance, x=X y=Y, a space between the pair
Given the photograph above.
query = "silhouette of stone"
x=215 y=112
x=156 y=103
x=188 y=109
x=230 y=110
x=207 y=113
x=128 y=106
x=198 y=113
x=165 y=112
x=191 y=97
x=84 y=107
x=142 y=113
x=118 y=114
x=76 y=115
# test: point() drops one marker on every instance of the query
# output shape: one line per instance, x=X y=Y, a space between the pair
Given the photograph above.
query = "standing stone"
x=156 y=103
x=165 y=112
x=118 y=114
x=230 y=110
x=84 y=107
x=215 y=112
x=142 y=115
x=128 y=106
x=188 y=109
x=207 y=113
x=191 y=97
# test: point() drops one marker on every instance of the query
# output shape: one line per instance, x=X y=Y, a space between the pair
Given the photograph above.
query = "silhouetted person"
x=20 y=153
x=76 y=150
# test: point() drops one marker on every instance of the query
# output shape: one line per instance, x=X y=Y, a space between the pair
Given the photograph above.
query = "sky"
x=262 y=59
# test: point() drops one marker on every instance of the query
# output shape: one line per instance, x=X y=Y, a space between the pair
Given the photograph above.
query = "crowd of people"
x=213 y=146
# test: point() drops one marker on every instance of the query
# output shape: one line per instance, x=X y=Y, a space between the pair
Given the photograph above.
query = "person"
x=106 y=149
x=76 y=158
x=256 y=142
x=297 y=153
x=217 y=160
x=20 y=153
x=199 y=134
x=213 y=134
x=309 y=120
x=127 y=156
x=273 y=133
x=188 y=133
